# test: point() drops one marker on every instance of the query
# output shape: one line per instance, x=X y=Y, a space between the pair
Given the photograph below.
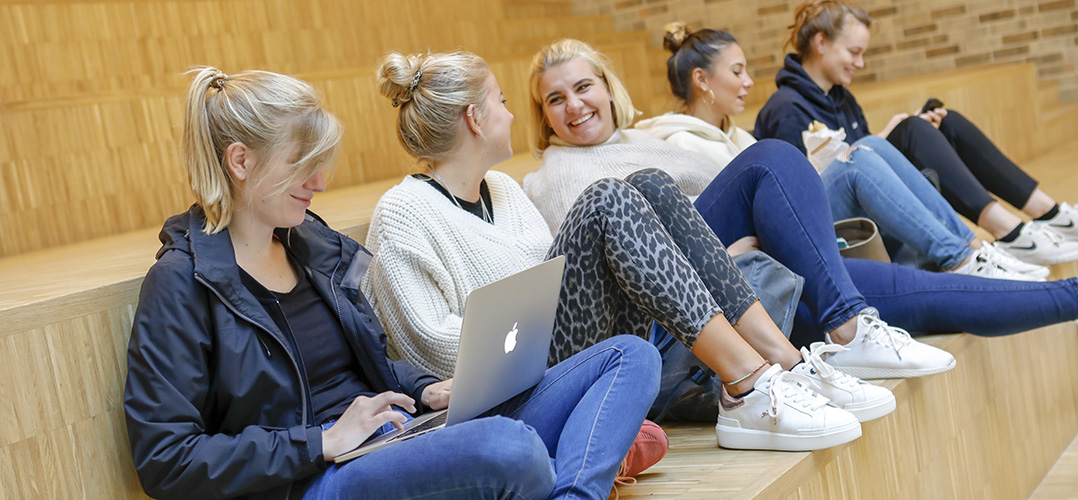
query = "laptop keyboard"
x=437 y=421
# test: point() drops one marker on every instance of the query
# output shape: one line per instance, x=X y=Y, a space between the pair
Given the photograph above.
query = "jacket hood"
x=793 y=75
x=666 y=125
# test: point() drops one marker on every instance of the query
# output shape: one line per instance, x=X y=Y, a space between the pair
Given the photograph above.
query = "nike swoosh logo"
x=1069 y=225
x=1032 y=246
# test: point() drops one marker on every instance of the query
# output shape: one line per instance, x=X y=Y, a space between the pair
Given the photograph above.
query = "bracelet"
x=746 y=376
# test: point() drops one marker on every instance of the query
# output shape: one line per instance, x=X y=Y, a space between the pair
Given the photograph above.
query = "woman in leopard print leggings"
x=636 y=250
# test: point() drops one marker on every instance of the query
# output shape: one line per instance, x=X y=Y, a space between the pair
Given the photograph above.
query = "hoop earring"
x=711 y=94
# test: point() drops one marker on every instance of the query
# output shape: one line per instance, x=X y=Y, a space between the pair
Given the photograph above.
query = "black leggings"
x=969 y=165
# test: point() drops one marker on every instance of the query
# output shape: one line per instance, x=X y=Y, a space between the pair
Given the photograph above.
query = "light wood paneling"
x=989 y=429
x=91 y=92
x=1061 y=483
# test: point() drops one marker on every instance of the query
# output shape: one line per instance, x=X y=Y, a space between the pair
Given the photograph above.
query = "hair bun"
x=399 y=76
x=676 y=33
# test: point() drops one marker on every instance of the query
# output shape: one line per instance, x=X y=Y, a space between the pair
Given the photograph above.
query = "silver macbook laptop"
x=504 y=342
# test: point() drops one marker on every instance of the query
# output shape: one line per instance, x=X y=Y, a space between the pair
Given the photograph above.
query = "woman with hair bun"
x=830 y=38
x=636 y=253
x=254 y=361
x=709 y=76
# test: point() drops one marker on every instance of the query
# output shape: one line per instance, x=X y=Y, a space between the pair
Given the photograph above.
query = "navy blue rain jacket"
x=798 y=101
x=217 y=401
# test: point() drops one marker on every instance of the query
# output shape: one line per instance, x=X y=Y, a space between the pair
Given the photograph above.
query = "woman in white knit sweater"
x=636 y=252
x=708 y=74
x=770 y=196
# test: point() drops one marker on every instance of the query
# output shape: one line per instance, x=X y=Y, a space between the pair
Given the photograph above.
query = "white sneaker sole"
x=872 y=410
x=739 y=438
x=1040 y=259
x=870 y=373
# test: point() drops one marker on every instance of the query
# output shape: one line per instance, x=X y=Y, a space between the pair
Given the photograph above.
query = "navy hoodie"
x=798 y=101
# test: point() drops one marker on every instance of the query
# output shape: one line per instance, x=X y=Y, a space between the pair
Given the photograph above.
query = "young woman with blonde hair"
x=254 y=360
x=830 y=38
x=772 y=198
x=636 y=252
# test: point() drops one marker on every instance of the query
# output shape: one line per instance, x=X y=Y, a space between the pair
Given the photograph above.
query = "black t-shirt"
x=471 y=207
x=333 y=374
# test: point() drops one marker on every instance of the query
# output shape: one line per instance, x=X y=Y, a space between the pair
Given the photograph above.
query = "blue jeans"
x=927 y=302
x=770 y=191
x=563 y=438
x=881 y=184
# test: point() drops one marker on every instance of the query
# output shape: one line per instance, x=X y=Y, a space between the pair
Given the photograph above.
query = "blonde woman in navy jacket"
x=254 y=359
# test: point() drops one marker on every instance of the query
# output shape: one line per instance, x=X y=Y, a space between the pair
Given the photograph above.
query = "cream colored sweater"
x=693 y=134
x=567 y=170
x=429 y=254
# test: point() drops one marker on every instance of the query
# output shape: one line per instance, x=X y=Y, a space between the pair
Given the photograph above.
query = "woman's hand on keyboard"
x=436 y=396
x=363 y=417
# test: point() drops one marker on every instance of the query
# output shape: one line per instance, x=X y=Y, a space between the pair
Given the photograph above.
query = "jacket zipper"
x=295 y=366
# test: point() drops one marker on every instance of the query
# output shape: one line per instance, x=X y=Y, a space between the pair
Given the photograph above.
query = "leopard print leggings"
x=636 y=251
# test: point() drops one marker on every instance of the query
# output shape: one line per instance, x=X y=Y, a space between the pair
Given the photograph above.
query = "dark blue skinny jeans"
x=771 y=191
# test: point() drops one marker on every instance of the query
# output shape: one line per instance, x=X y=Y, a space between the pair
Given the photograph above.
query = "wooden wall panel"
x=91 y=91
x=64 y=427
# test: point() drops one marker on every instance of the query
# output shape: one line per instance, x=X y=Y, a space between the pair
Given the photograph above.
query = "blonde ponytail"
x=262 y=110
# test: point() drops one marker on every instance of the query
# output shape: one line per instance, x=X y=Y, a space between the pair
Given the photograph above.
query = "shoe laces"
x=813 y=356
x=886 y=335
x=793 y=389
x=622 y=480
x=1054 y=239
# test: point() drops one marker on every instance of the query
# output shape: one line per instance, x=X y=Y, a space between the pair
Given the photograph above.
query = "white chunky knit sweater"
x=567 y=170
x=429 y=254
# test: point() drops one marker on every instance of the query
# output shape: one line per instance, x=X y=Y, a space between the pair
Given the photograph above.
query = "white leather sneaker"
x=1012 y=263
x=864 y=400
x=783 y=413
x=986 y=264
x=879 y=350
x=1038 y=244
x=1065 y=223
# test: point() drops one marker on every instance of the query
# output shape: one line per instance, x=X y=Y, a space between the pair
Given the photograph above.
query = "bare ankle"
x=845 y=333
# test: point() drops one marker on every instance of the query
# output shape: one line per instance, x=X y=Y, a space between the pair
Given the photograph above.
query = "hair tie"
x=415 y=80
x=218 y=81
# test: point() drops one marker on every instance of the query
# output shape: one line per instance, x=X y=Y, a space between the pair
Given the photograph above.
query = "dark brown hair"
x=691 y=50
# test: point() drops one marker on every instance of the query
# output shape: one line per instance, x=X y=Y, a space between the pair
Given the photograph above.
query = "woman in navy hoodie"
x=830 y=38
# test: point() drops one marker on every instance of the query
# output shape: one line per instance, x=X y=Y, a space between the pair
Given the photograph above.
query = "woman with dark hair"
x=709 y=75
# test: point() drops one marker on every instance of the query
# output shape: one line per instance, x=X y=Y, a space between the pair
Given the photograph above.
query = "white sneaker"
x=985 y=264
x=879 y=350
x=1038 y=244
x=783 y=413
x=1065 y=222
x=864 y=400
x=1012 y=263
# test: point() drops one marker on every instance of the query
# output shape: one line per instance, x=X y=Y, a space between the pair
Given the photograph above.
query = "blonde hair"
x=821 y=16
x=264 y=111
x=562 y=51
x=432 y=91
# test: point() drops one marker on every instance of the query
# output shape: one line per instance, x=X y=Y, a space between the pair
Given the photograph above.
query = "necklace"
x=437 y=178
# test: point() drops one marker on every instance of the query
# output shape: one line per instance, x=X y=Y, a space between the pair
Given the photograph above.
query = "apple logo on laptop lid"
x=511 y=339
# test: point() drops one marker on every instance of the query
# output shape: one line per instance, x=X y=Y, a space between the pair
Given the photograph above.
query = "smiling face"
x=840 y=58
x=576 y=103
x=729 y=80
x=262 y=196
